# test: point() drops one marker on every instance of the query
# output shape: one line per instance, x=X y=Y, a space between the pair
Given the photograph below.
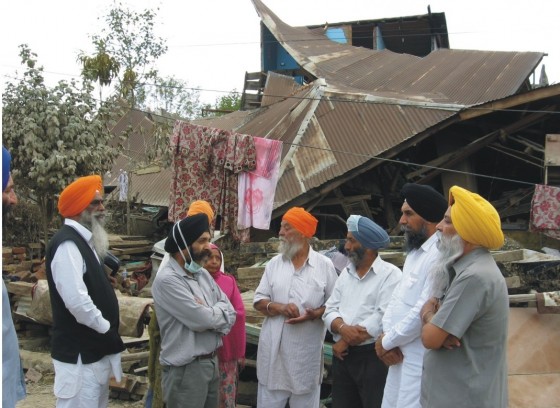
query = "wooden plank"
x=20 y=288
x=129 y=244
x=128 y=251
x=250 y=273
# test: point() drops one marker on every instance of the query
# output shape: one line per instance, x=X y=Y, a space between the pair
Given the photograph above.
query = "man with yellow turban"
x=86 y=345
x=354 y=315
x=292 y=294
x=465 y=329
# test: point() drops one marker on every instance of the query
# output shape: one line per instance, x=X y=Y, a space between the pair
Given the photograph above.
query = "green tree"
x=130 y=39
x=171 y=97
x=99 y=67
x=226 y=104
x=54 y=134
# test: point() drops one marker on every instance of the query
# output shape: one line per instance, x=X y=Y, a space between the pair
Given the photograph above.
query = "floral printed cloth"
x=205 y=165
x=545 y=210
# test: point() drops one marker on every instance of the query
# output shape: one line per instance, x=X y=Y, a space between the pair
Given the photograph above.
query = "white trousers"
x=278 y=398
x=402 y=388
x=84 y=385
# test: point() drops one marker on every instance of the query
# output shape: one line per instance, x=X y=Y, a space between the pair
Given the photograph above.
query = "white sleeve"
x=67 y=269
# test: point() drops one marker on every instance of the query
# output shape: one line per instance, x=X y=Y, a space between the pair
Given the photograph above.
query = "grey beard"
x=450 y=249
x=289 y=249
x=357 y=256
x=412 y=239
x=95 y=222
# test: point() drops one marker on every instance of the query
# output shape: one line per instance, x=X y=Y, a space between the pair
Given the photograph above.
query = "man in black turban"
x=193 y=315
x=422 y=209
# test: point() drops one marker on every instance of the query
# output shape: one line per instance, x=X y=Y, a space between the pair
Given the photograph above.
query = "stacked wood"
x=131 y=388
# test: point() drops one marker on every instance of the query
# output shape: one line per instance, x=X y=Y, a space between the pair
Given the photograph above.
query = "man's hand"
x=340 y=349
x=289 y=310
x=429 y=309
x=451 y=342
x=309 y=315
x=392 y=357
x=389 y=357
x=354 y=335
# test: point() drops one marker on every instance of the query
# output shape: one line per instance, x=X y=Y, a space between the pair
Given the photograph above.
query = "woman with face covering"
x=232 y=353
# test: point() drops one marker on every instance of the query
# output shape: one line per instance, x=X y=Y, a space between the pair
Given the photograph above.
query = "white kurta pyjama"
x=402 y=327
x=290 y=355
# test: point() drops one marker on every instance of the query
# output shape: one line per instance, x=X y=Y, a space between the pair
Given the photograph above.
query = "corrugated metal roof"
x=277 y=87
x=454 y=76
x=371 y=102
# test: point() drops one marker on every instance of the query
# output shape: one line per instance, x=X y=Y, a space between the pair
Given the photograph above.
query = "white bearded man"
x=466 y=329
x=86 y=345
x=423 y=208
x=292 y=295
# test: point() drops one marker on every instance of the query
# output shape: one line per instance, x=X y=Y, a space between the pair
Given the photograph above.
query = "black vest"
x=70 y=338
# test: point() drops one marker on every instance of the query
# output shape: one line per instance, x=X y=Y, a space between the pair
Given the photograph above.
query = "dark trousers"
x=359 y=379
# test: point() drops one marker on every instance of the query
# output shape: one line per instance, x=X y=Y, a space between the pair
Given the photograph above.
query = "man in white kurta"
x=292 y=294
x=422 y=209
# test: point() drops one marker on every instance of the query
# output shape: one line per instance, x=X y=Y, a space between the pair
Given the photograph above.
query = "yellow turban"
x=201 y=207
x=301 y=220
x=77 y=196
x=475 y=219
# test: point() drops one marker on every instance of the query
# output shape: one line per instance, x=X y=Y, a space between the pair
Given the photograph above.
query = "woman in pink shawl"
x=232 y=353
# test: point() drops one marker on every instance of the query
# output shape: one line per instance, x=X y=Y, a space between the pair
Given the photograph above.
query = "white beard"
x=96 y=221
x=289 y=249
x=450 y=249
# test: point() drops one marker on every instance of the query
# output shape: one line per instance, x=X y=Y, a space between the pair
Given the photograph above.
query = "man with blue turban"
x=13 y=383
x=353 y=315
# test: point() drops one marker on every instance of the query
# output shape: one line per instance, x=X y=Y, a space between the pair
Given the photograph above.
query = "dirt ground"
x=40 y=395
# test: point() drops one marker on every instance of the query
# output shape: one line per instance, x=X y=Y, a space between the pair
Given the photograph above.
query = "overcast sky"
x=212 y=43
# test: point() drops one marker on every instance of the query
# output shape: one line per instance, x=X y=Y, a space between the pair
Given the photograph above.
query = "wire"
x=396 y=102
x=400 y=162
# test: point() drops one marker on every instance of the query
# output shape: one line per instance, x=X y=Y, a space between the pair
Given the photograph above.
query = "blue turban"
x=367 y=232
x=6 y=159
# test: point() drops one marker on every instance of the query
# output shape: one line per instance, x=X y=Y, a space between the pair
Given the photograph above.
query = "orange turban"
x=77 y=196
x=301 y=220
x=201 y=207
x=475 y=219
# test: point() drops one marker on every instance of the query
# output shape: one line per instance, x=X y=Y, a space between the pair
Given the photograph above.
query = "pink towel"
x=256 y=189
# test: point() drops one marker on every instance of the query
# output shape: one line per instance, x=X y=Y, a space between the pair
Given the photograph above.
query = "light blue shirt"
x=13 y=383
x=362 y=301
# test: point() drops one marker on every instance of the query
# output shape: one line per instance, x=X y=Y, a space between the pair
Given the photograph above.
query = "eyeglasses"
x=96 y=203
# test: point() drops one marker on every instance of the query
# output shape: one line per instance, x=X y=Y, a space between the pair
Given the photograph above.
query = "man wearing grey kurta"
x=292 y=294
x=466 y=330
x=193 y=315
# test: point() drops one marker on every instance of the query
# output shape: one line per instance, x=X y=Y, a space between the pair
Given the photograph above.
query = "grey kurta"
x=475 y=309
x=290 y=356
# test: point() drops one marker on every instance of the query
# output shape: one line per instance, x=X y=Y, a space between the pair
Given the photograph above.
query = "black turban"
x=425 y=201
x=191 y=227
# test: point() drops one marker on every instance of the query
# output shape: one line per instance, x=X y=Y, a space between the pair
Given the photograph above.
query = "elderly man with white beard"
x=465 y=329
x=423 y=208
x=85 y=343
x=292 y=295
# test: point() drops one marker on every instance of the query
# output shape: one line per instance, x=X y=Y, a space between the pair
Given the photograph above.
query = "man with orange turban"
x=292 y=295
x=86 y=345
x=465 y=330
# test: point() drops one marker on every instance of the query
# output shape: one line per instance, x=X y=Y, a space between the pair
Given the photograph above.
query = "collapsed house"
x=357 y=123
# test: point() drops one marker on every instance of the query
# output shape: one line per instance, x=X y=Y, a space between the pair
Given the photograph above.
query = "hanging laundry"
x=545 y=210
x=257 y=188
x=205 y=165
x=123 y=185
